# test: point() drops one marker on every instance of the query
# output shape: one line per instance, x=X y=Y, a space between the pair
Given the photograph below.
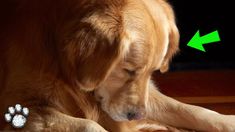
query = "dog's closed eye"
x=130 y=72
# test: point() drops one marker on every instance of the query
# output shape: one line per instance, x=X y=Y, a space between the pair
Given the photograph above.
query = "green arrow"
x=197 y=41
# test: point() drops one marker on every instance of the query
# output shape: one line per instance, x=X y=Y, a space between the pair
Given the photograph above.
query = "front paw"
x=153 y=126
x=92 y=126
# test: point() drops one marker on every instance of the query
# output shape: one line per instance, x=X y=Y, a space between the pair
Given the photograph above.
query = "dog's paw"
x=92 y=126
x=154 y=126
x=17 y=116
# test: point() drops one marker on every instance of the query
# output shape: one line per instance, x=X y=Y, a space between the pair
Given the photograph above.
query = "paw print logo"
x=17 y=116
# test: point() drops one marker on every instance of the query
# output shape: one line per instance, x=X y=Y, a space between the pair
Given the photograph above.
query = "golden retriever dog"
x=86 y=65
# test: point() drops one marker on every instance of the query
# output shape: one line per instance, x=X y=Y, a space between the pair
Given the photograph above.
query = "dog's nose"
x=131 y=115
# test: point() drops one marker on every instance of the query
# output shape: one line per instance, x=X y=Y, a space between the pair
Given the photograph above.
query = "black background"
x=206 y=16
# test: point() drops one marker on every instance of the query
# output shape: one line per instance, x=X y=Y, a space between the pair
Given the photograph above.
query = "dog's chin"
x=118 y=117
x=115 y=114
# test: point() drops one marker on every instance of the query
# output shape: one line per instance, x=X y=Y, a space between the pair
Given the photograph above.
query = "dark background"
x=208 y=16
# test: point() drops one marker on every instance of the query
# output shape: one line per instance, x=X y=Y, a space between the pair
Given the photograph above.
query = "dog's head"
x=115 y=49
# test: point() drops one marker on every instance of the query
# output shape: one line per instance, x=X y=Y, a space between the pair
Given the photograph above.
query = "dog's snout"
x=135 y=115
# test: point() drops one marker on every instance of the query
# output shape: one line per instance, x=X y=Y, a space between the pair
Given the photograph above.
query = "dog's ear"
x=89 y=54
x=173 y=48
x=174 y=36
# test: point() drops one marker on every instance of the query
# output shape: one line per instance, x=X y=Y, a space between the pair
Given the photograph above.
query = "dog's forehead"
x=147 y=54
x=140 y=54
x=136 y=25
x=147 y=47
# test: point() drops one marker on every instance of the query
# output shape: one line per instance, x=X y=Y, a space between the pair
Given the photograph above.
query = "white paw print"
x=17 y=116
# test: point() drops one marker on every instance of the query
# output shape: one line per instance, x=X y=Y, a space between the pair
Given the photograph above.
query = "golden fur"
x=56 y=56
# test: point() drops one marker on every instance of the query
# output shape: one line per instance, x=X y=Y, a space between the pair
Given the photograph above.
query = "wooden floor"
x=211 y=89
